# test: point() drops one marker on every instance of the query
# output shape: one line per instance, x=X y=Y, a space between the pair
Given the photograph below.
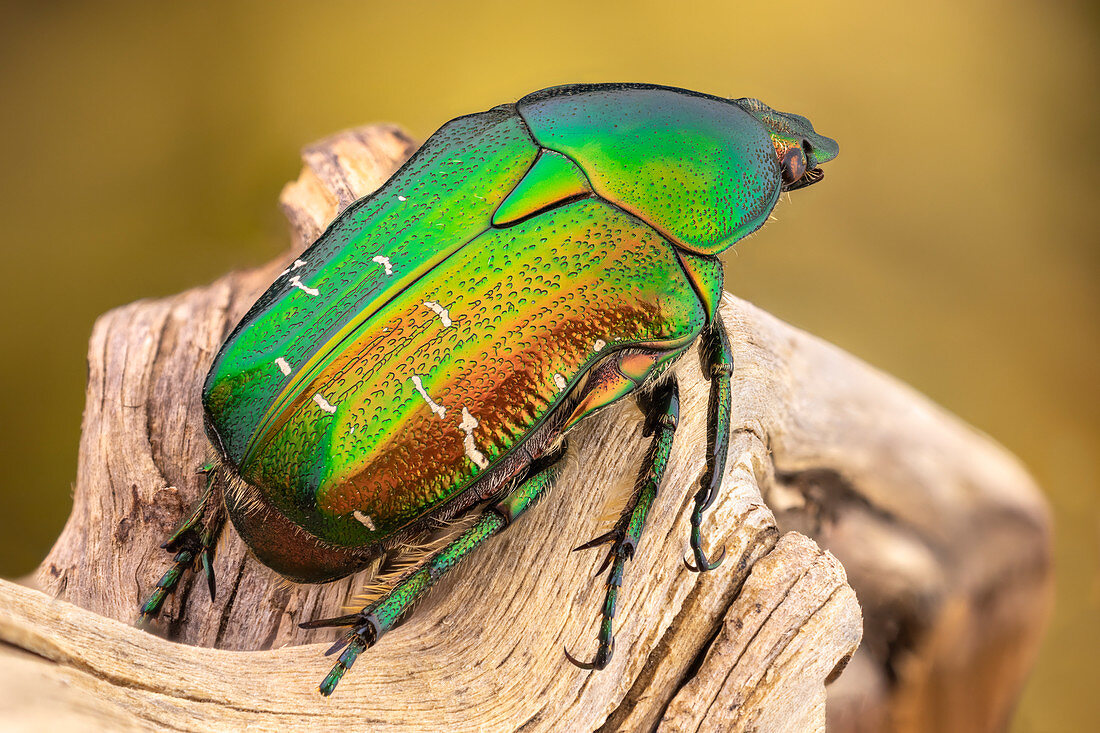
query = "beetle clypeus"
x=527 y=267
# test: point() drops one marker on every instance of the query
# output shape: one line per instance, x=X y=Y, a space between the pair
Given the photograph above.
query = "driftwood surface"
x=942 y=535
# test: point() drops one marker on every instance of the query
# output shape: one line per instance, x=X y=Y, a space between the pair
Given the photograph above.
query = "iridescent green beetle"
x=527 y=267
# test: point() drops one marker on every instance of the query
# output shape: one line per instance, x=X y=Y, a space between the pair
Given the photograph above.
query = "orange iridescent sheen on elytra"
x=524 y=307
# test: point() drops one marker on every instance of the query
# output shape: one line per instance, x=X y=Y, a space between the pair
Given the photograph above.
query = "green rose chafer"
x=529 y=266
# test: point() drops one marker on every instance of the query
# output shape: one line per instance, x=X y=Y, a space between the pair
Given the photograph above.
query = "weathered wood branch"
x=945 y=539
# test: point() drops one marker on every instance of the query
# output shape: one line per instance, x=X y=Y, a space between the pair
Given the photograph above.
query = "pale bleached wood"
x=796 y=612
x=484 y=650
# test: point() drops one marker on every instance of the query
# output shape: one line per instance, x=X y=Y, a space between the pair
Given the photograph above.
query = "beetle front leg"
x=370 y=623
x=662 y=416
x=718 y=365
x=194 y=542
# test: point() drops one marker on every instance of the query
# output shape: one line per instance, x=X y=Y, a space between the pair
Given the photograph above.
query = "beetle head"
x=799 y=150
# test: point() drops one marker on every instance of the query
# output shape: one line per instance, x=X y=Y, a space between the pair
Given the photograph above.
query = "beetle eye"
x=793 y=165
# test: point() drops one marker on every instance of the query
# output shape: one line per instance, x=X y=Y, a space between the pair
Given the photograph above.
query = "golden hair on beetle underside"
x=234 y=488
x=408 y=557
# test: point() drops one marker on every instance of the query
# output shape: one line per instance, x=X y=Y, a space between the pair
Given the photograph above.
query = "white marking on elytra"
x=293 y=267
x=599 y=345
x=284 y=367
x=323 y=403
x=297 y=282
x=469 y=422
x=560 y=382
x=439 y=410
x=364 y=519
x=402 y=198
x=441 y=312
x=385 y=262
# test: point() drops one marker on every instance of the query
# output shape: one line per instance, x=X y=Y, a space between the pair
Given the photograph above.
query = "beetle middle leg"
x=194 y=542
x=369 y=624
x=662 y=415
x=717 y=365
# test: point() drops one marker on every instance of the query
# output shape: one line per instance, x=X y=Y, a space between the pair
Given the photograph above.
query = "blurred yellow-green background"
x=954 y=242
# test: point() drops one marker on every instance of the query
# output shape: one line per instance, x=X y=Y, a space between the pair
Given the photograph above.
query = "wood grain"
x=945 y=538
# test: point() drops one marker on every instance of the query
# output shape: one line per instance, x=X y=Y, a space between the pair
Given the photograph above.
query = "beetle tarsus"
x=702 y=565
x=663 y=411
x=207 y=559
x=356 y=645
x=194 y=544
x=603 y=656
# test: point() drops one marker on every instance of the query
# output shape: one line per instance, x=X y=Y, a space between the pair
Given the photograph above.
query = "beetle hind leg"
x=718 y=365
x=193 y=543
x=663 y=412
x=369 y=624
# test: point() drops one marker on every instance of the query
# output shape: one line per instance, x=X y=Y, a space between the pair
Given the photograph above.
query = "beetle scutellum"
x=527 y=267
